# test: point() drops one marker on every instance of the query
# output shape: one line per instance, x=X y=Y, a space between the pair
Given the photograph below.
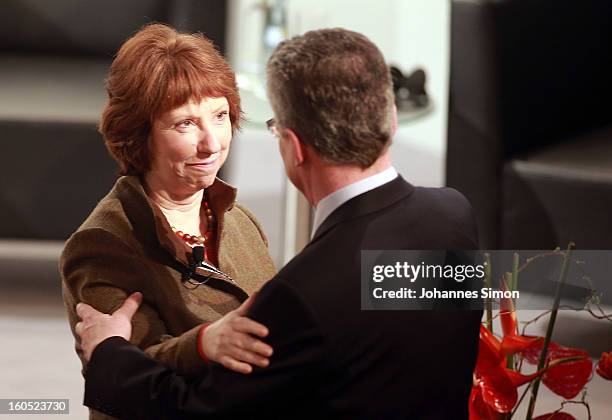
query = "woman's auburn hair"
x=156 y=70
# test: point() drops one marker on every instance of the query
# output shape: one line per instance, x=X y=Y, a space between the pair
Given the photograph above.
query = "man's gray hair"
x=333 y=88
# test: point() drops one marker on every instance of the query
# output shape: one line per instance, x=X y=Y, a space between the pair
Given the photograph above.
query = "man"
x=332 y=96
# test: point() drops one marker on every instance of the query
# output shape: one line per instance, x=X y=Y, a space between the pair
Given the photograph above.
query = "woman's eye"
x=221 y=116
x=185 y=124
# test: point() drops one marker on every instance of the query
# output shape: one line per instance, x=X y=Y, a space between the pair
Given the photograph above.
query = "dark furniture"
x=530 y=120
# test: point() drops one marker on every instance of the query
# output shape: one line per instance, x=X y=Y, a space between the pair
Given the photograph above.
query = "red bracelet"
x=201 y=341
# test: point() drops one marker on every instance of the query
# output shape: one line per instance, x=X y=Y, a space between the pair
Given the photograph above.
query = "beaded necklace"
x=204 y=240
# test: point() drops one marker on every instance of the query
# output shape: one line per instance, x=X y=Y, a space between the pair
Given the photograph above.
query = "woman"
x=172 y=109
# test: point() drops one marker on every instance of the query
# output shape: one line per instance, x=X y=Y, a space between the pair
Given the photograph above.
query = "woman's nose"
x=208 y=143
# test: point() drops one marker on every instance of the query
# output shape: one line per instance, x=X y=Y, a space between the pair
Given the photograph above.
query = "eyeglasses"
x=271 y=124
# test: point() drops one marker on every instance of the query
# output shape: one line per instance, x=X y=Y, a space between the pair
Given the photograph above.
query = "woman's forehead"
x=196 y=106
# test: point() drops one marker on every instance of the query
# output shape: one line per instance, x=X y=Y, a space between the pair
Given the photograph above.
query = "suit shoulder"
x=441 y=195
x=444 y=201
x=448 y=211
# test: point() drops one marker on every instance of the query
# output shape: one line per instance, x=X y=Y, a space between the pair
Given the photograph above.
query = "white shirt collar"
x=327 y=205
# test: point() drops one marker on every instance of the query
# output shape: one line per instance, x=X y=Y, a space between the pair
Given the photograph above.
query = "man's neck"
x=328 y=178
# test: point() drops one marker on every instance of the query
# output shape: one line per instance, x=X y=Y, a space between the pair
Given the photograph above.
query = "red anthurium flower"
x=479 y=410
x=494 y=350
x=604 y=367
x=489 y=351
x=496 y=384
x=493 y=386
x=507 y=315
x=494 y=393
x=555 y=416
x=519 y=379
x=512 y=344
x=532 y=353
x=497 y=389
x=568 y=378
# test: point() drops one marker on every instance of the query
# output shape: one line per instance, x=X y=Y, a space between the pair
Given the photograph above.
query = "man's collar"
x=331 y=202
x=364 y=204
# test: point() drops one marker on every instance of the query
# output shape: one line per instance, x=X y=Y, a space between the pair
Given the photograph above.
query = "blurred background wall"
x=54 y=168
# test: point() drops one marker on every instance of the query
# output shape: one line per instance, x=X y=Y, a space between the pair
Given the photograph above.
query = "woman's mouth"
x=204 y=164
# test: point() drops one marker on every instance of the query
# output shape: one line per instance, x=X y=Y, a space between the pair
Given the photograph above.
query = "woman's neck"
x=181 y=210
x=168 y=198
x=167 y=201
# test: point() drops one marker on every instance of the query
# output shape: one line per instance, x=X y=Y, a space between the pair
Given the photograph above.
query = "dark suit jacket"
x=331 y=359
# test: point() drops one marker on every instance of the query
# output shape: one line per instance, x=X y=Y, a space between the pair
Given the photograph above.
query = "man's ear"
x=298 y=148
x=393 y=120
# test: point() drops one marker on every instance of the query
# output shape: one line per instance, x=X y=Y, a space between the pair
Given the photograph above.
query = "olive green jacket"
x=127 y=245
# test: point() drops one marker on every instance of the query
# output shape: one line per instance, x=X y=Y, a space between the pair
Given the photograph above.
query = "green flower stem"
x=488 y=302
x=549 y=330
x=515 y=268
x=509 y=280
x=520 y=399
